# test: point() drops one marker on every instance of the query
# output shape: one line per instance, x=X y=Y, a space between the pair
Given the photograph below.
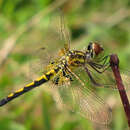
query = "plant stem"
x=114 y=62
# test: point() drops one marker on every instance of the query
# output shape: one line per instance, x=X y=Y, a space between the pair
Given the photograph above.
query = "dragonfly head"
x=94 y=49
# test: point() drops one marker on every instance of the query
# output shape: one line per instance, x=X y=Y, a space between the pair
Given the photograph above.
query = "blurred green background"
x=26 y=25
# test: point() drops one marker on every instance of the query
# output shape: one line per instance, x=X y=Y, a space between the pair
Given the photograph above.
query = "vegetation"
x=27 y=25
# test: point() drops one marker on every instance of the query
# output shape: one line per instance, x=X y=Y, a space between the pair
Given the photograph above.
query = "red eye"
x=97 y=48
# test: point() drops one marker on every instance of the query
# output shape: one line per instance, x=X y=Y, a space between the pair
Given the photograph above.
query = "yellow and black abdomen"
x=44 y=78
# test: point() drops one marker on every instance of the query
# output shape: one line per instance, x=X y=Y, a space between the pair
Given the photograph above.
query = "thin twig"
x=117 y=17
x=114 y=62
x=10 y=43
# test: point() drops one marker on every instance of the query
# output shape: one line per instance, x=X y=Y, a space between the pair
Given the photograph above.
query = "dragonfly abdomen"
x=44 y=78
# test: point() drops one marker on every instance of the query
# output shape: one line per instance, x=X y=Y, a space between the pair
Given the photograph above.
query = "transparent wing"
x=64 y=31
x=125 y=74
x=39 y=60
x=54 y=44
x=81 y=99
x=91 y=106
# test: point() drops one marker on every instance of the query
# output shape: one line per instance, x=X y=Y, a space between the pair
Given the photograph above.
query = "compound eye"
x=97 y=48
x=90 y=46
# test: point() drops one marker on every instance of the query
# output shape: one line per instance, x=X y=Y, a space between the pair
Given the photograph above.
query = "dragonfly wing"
x=125 y=74
x=91 y=106
x=64 y=32
x=45 y=52
x=84 y=101
x=39 y=60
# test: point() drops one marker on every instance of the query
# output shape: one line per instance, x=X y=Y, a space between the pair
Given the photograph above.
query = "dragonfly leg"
x=104 y=58
x=98 y=68
x=99 y=65
x=91 y=78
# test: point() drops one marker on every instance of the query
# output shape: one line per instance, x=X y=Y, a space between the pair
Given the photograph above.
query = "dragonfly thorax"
x=75 y=58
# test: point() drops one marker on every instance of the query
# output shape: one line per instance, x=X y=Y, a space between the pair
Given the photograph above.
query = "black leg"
x=96 y=68
x=91 y=78
x=104 y=58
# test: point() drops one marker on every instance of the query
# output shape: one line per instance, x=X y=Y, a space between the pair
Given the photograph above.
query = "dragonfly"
x=71 y=74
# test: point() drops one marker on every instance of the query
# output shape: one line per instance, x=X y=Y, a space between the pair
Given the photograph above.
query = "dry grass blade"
x=11 y=41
